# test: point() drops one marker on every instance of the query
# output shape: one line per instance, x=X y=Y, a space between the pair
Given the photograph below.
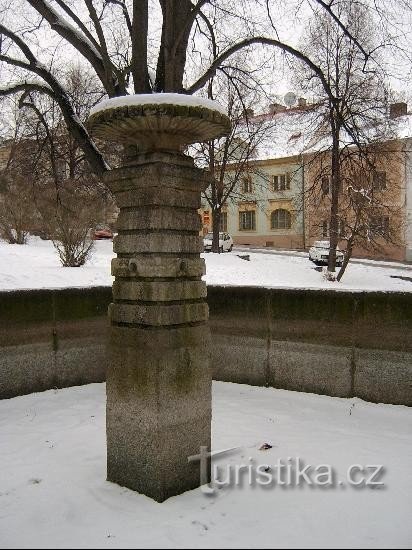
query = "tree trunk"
x=21 y=236
x=334 y=207
x=139 y=47
x=348 y=256
x=216 y=229
x=177 y=24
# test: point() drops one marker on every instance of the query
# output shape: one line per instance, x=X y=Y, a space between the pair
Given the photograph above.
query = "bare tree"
x=53 y=175
x=230 y=158
x=371 y=204
x=16 y=209
x=69 y=220
x=112 y=36
x=353 y=100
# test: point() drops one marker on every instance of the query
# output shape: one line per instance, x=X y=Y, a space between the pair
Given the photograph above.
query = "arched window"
x=280 y=219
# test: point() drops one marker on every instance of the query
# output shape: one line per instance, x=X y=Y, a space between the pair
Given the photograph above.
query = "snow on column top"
x=158 y=99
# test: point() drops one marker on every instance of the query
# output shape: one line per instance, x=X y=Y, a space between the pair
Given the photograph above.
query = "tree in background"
x=53 y=175
x=230 y=159
x=352 y=110
x=16 y=209
x=371 y=204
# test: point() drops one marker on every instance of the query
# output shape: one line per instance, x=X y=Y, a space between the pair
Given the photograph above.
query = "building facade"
x=283 y=203
x=268 y=211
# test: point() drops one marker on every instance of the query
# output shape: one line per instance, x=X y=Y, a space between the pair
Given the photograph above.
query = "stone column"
x=158 y=380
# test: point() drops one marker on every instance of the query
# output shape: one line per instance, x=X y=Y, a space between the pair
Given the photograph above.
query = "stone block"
x=383 y=376
x=158 y=196
x=165 y=218
x=311 y=368
x=158 y=315
x=239 y=358
x=161 y=291
x=158 y=409
x=160 y=266
x=157 y=243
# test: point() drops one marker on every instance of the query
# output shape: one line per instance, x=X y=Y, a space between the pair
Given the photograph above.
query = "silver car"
x=319 y=253
x=225 y=242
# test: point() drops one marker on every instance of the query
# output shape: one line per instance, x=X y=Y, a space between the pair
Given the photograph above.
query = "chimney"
x=398 y=109
x=302 y=102
x=275 y=108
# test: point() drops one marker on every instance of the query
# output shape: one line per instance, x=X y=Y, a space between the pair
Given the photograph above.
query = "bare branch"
x=122 y=4
x=27 y=87
x=263 y=41
x=63 y=5
x=328 y=7
x=78 y=130
x=74 y=37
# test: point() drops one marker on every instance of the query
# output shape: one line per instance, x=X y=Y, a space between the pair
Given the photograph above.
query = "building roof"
x=296 y=132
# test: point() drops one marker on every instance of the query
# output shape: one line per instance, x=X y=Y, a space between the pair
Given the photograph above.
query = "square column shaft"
x=158 y=381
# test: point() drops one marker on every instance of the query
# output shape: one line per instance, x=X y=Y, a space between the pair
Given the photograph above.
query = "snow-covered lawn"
x=36 y=265
x=53 y=491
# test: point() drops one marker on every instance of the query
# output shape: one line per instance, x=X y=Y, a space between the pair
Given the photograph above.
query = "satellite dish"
x=290 y=99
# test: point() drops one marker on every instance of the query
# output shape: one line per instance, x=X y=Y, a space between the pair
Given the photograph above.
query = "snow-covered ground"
x=53 y=491
x=36 y=265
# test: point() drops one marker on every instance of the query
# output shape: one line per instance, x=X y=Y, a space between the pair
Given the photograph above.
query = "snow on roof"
x=292 y=133
x=159 y=99
x=288 y=134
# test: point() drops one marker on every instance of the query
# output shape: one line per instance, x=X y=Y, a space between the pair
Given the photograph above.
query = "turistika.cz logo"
x=285 y=473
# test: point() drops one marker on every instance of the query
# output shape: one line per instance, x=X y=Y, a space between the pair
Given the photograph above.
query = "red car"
x=100 y=234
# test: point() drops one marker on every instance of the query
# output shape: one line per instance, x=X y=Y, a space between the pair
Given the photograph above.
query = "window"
x=281 y=182
x=379 y=181
x=379 y=225
x=223 y=222
x=325 y=185
x=247 y=186
x=247 y=220
x=280 y=219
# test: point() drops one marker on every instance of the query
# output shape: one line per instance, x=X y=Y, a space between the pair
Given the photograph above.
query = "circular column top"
x=158 y=122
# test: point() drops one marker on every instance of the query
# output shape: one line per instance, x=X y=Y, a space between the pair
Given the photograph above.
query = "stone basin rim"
x=187 y=123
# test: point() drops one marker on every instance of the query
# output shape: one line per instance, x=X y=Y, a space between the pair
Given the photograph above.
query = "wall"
x=408 y=205
x=52 y=338
x=335 y=343
x=393 y=159
x=267 y=201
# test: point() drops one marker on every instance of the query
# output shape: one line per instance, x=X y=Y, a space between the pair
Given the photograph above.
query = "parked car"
x=225 y=242
x=319 y=253
x=101 y=233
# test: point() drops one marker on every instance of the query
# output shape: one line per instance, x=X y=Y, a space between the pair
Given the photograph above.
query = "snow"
x=293 y=133
x=54 y=493
x=287 y=134
x=158 y=99
x=276 y=271
x=36 y=265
